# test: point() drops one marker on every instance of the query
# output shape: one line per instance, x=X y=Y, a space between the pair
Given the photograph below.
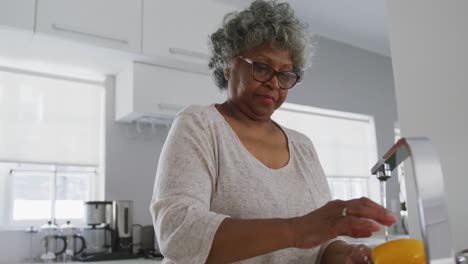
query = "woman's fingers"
x=366 y=208
x=354 y=218
x=357 y=227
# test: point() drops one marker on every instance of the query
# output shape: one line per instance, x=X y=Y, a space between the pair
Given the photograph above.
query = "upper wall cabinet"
x=17 y=13
x=108 y=23
x=151 y=92
x=180 y=29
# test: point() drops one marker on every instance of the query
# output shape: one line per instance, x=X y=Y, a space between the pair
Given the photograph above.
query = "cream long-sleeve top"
x=206 y=174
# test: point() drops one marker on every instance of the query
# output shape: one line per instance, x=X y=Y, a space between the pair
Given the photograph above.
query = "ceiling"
x=360 y=23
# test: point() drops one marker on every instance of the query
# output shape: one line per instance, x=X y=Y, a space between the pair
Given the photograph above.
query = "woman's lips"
x=267 y=98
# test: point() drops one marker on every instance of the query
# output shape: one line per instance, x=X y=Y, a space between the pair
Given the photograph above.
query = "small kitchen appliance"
x=108 y=231
x=50 y=237
x=122 y=222
x=98 y=212
x=75 y=241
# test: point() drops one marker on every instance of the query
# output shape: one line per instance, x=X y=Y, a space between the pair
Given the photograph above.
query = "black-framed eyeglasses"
x=263 y=72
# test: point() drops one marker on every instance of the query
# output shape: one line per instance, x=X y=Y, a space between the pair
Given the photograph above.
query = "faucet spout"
x=384 y=172
x=392 y=158
x=431 y=201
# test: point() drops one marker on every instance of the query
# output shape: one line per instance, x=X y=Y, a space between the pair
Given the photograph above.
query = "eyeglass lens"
x=263 y=72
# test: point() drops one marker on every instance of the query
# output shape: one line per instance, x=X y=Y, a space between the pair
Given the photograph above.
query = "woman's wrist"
x=239 y=239
x=291 y=232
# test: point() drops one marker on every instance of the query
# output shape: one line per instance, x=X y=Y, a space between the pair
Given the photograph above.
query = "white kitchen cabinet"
x=17 y=14
x=109 y=23
x=156 y=93
x=180 y=29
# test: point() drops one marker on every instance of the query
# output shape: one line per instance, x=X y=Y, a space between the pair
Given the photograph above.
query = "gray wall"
x=430 y=60
x=346 y=78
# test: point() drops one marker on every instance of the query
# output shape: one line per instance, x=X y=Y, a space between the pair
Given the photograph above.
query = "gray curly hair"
x=263 y=22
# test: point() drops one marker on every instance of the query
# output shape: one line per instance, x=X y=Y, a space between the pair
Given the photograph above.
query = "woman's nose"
x=273 y=83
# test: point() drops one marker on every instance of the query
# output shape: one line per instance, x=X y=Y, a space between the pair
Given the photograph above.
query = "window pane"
x=69 y=209
x=358 y=188
x=339 y=188
x=31 y=209
x=345 y=144
x=49 y=120
x=72 y=191
x=72 y=186
x=31 y=196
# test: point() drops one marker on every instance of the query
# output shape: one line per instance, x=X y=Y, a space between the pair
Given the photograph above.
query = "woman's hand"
x=360 y=254
x=339 y=218
x=341 y=252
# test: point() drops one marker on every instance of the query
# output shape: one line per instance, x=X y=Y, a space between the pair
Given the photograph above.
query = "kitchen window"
x=38 y=193
x=51 y=147
x=345 y=143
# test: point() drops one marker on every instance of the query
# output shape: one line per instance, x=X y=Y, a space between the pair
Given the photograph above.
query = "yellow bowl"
x=407 y=251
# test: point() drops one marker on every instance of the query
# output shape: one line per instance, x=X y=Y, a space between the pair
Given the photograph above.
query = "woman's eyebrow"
x=270 y=61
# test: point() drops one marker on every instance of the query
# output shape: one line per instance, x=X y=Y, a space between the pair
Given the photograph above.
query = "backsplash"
x=17 y=246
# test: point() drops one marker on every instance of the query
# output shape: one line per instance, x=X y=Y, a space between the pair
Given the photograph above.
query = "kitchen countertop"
x=371 y=242
x=129 y=261
x=125 y=261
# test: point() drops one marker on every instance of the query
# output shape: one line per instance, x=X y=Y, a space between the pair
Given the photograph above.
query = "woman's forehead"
x=270 y=53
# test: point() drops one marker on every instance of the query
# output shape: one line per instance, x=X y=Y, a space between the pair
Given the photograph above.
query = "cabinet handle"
x=93 y=35
x=189 y=53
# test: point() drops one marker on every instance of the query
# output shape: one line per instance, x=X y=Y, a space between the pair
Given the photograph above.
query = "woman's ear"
x=227 y=73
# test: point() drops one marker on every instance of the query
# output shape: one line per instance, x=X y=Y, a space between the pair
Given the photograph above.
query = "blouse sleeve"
x=185 y=180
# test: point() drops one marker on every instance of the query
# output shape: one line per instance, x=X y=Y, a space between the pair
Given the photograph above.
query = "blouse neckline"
x=248 y=153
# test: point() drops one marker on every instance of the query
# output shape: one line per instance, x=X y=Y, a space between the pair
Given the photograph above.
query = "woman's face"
x=258 y=100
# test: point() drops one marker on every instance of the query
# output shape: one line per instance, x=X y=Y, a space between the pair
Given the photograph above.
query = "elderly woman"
x=233 y=185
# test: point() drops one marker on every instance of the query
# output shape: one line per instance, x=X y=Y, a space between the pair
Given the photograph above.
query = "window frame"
x=8 y=202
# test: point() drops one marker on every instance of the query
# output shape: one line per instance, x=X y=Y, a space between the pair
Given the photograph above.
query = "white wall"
x=131 y=160
x=16 y=246
x=429 y=44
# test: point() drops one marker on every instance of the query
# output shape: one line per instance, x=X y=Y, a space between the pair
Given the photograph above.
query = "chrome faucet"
x=431 y=202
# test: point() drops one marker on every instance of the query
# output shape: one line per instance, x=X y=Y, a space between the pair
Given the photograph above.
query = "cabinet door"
x=180 y=29
x=108 y=23
x=145 y=90
x=166 y=91
x=17 y=13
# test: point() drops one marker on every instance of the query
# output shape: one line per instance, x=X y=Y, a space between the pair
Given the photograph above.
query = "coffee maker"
x=108 y=230
x=122 y=224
